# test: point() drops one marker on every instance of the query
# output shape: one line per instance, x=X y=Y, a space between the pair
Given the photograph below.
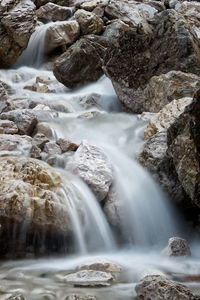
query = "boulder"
x=51 y=148
x=8 y=127
x=184 y=149
x=103 y=265
x=89 y=278
x=67 y=3
x=191 y=11
x=4 y=98
x=40 y=140
x=172 y=45
x=89 y=22
x=24 y=119
x=177 y=247
x=17 y=22
x=166 y=116
x=53 y=12
x=154 y=157
x=131 y=12
x=11 y=297
x=82 y=62
x=92 y=4
x=33 y=211
x=92 y=165
x=164 y=88
x=67 y=145
x=15 y=142
x=61 y=34
x=156 y=287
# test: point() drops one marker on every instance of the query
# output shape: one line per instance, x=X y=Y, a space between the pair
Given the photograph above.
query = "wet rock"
x=103 y=265
x=166 y=116
x=159 y=287
x=17 y=22
x=39 y=88
x=93 y=167
x=51 y=148
x=4 y=98
x=81 y=63
x=53 y=12
x=67 y=145
x=91 y=5
x=24 y=119
x=89 y=22
x=154 y=157
x=114 y=30
x=164 y=88
x=80 y=297
x=35 y=152
x=39 y=3
x=61 y=34
x=131 y=12
x=12 y=297
x=89 y=278
x=8 y=127
x=183 y=149
x=45 y=129
x=177 y=247
x=22 y=143
x=140 y=56
x=112 y=208
x=40 y=140
x=30 y=200
x=191 y=11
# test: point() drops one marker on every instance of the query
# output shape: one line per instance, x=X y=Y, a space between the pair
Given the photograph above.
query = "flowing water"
x=147 y=218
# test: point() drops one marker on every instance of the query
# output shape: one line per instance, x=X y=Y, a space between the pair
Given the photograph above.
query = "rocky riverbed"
x=99 y=149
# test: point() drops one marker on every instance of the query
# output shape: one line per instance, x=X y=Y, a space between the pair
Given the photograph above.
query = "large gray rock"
x=89 y=278
x=17 y=22
x=166 y=116
x=30 y=200
x=24 y=119
x=156 y=287
x=82 y=62
x=103 y=265
x=140 y=56
x=53 y=12
x=61 y=34
x=15 y=142
x=131 y=12
x=177 y=247
x=164 y=88
x=89 y=23
x=94 y=168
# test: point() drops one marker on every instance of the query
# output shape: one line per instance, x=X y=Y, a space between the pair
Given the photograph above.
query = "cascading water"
x=146 y=217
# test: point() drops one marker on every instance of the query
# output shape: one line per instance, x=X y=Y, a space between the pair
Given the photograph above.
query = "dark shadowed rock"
x=172 y=45
x=81 y=63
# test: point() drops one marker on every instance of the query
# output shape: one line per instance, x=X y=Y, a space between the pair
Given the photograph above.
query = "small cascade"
x=33 y=55
x=90 y=227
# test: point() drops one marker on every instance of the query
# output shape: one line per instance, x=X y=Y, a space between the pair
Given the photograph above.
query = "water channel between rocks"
x=93 y=114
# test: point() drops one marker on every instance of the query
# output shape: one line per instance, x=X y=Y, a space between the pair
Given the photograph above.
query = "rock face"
x=31 y=204
x=191 y=11
x=177 y=247
x=53 y=12
x=92 y=165
x=61 y=34
x=89 y=278
x=81 y=63
x=90 y=23
x=17 y=22
x=166 y=116
x=164 y=88
x=184 y=149
x=154 y=157
x=158 y=287
x=172 y=45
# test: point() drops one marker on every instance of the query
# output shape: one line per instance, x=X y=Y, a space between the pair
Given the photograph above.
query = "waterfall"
x=33 y=55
